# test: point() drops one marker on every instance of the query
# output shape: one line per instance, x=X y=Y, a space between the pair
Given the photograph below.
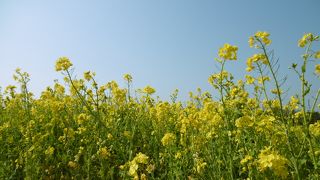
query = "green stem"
x=303 y=95
x=275 y=80
x=263 y=85
x=221 y=81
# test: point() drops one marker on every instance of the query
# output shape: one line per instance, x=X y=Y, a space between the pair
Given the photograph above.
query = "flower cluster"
x=228 y=52
x=255 y=59
x=63 y=64
x=269 y=159
x=307 y=38
x=260 y=36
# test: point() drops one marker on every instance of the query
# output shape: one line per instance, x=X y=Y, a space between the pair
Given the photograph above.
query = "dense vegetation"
x=81 y=130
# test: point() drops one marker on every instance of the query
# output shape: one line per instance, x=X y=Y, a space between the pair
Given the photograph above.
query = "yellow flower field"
x=78 y=129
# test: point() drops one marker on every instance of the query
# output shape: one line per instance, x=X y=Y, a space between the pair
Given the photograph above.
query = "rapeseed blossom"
x=269 y=159
x=149 y=90
x=127 y=77
x=315 y=129
x=63 y=64
x=168 y=139
x=317 y=55
x=307 y=38
x=228 y=52
x=264 y=36
x=87 y=75
x=249 y=79
x=317 y=69
x=261 y=36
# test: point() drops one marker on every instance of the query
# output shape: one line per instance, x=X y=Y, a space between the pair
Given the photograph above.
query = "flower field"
x=78 y=129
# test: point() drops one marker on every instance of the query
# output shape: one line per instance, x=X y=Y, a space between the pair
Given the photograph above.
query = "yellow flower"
x=141 y=158
x=275 y=91
x=244 y=121
x=49 y=151
x=249 y=79
x=315 y=129
x=82 y=118
x=272 y=160
x=150 y=168
x=251 y=41
x=246 y=159
x=317 y=55
x=264 y=37
x=143 y=177
x=228 y=52
x=103 y=153
x=149 y=90
x=87 y=75
x=72 y=164
x=127 y=77
x=263 y=79
x=133 y=168
x=168 y=139
x=317 y=69
x=307 y=38
x=63 y=64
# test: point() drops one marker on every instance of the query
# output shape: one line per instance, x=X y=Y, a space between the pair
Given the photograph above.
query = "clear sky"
x=167 y=44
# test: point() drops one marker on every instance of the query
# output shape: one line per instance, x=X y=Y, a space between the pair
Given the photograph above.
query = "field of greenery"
x=78 y=129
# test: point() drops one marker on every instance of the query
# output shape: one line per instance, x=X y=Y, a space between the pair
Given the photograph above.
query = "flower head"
x=87 y=75
x=272 y=160
x=307 y=38
x=168 y=139
x=127 y=77
x=264 y=36
x=317 y=55
x=260 y=36
x=149 y=90
x=63 y=64
x=317 y=69
x=228 y=52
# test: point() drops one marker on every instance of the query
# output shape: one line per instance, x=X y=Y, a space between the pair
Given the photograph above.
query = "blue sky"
x=167 y=44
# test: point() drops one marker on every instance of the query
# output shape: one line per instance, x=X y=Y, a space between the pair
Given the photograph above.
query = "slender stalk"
x=274 y=78
x=221 y=81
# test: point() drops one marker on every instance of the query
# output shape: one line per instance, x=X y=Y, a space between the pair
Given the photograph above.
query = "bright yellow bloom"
x=127 y=77
x=251 y=41
x=133 y=168
x=264 y=37
x=307 y=38
x=87 y=75
x=272 y=160
x=249 y=79
x=258 y=57
x=228 y=52
x=63 y=64
x=168 y=139
x=149 y=90
x=141 y=158
x=317 y=55
x=317 y=69
x=244 y=121
x=315 y=129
